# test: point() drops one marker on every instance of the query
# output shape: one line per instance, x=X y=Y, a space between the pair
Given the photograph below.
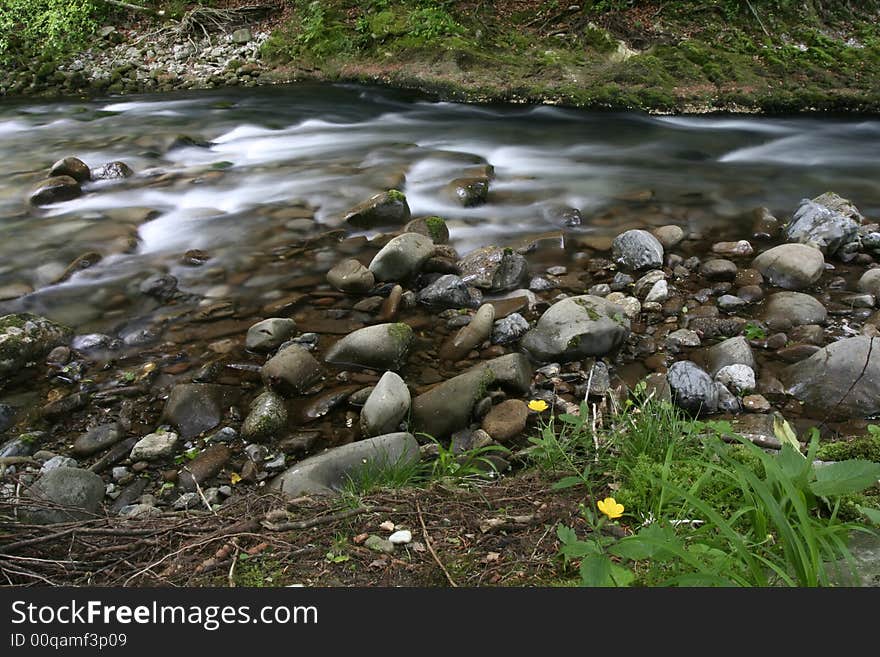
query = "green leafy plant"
x=753 y=331
x=48 y=28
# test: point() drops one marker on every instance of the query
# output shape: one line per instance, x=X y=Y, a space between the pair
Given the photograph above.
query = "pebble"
x=400 y=537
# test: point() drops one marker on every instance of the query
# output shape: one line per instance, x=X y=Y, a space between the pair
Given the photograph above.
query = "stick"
x=323 y=520
x=431 y=549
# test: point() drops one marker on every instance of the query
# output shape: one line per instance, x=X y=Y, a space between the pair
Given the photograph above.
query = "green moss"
x=436 y=228
x=396 y=195
x=867 y=447
x=487 y=379
x=400 y=332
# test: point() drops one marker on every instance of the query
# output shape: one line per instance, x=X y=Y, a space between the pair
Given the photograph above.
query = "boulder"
x=841 y=379
x=384 y=209
x=791 y=266
x=57 y=189
x=329 y=472
x=112 y=171
x=469 y=192
x=402 y=257
x=737 y=378
x=513 y=372
x=26 y=339
x=870 y=282
x=577 y=327
x=692 y=388
x=828 y=222
x=636 y=250
x=434 y=228
x=494 y=269
x=386 y=407
x=73 y=494
x=380 y=347
x=72 y=167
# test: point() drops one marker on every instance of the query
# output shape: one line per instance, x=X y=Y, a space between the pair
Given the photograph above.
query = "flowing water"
x=274 y=159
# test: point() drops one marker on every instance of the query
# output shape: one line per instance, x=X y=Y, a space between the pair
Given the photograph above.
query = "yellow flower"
x=538 y=405
x=610 y=507
x=234 y=478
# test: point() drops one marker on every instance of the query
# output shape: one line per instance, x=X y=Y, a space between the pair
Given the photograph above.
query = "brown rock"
x=506 y=420
x=206 y=465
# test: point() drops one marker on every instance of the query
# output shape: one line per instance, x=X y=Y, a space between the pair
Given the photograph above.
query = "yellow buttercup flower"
x=538 y=405
x=610 y=507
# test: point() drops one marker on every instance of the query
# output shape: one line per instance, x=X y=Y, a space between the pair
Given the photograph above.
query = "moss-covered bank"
x=672 y=56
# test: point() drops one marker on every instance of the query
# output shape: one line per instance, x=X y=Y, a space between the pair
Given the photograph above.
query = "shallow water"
x=277 y=157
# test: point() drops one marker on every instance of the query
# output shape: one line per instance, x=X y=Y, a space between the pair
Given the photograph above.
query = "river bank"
x=657 y=57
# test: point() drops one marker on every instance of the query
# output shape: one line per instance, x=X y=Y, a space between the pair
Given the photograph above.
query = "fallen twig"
x=323 y=520
x=431 y=548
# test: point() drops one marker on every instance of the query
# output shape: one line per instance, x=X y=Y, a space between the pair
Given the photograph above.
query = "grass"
x=699 y=511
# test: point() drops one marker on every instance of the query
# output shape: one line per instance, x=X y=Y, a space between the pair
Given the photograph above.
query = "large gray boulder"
x=692 y=388
x=379 y=347
x=329 y=472
x=196 y=407
x=842 y=379
x=828 y=222
x=386 y=407
x=26 y=339
x=791 y=266
x=577 y=327
x=637 y=249
x=494 y=269
x=402 y=257
x=68 y=494
x=292 y=370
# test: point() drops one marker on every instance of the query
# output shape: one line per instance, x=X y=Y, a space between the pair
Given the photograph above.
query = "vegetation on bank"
x=778 y=55
x=671 y=501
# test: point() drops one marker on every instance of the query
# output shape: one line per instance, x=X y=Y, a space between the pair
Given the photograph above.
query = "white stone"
x=401 y=537
x=737 y=378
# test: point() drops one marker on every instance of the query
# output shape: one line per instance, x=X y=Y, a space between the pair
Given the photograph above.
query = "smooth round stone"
x=733 y=249
x=351 y=276
x=786 y=309
x=636 y=250
x=791 y=266
x=756 y=404
x=719 y=269
x=73 y=167
x=669 y=236
x=270 y=334
x=870 y=282
x=507 y=420
x=729 y=302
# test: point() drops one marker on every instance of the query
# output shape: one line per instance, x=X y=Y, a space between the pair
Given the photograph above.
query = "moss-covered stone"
x=25 y=339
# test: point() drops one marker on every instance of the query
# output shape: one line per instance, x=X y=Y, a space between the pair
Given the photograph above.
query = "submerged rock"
x=385 y=209
x=786 y=309
x=469 y=192
x=55 y=190
x=379 y=347
x=577 y=327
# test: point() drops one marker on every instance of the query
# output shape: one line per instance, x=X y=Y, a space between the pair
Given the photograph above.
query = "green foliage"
x=867 y=447
x=316 y=31
x=754 y=331
x=257 y=571
x=48 y=28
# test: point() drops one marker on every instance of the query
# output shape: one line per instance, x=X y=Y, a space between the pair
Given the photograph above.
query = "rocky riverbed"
x=331 y=347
